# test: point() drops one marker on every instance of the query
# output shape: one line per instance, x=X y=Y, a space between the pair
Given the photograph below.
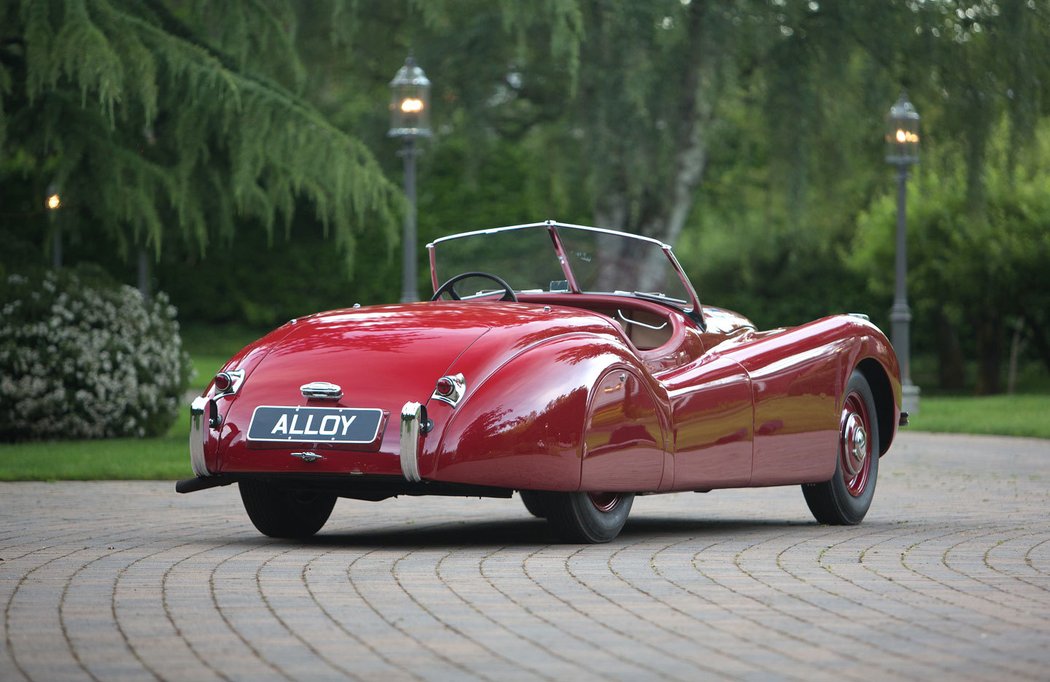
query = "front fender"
x=522 y=427
x=875 y=357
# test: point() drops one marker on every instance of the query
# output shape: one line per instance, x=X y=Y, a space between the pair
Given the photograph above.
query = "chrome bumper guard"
x=412 y=416
x=197 y=435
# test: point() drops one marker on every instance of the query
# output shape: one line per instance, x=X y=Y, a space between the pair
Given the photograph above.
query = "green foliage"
x=151 y=130
x=263 y=284
x=83 y=357
x=754 y=125
x=973 y=269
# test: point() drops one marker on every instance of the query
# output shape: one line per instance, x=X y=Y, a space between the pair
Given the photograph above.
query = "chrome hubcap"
x=855 y=440
x=604 y=502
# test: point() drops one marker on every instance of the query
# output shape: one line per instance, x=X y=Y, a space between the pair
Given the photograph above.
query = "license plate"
x=314 y=424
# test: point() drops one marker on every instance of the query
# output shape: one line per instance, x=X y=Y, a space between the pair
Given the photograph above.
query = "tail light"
x=227 y=383
x=223 y=382
x=450 y=389
x=445 y=387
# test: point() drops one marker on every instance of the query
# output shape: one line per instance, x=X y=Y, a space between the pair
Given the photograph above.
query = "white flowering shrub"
x=84 y=357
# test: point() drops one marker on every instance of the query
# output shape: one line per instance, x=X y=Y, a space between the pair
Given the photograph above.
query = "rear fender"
x=522 y=427
x=209 y=441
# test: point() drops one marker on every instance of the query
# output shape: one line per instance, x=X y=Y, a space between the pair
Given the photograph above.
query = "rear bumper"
x=356 y=487
x=198 y=433
x=413 y=424
x=191 y=485
x=413 y=420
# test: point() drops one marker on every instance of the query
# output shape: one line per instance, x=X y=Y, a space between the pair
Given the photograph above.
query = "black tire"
x=845 y=499
x=533 y=501
x=285 y=513
x=587 y=517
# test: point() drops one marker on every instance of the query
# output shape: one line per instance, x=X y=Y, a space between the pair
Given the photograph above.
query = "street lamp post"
x=902 y=150
x=409 y=119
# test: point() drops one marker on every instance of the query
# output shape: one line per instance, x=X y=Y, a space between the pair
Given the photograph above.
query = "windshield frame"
x=692 y=308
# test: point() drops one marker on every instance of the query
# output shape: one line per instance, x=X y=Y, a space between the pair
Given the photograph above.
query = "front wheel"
x=845 y=499
x=587 y=517
x=285 y=513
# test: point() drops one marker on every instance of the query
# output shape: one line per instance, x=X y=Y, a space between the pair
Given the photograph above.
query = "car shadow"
x=531 y=532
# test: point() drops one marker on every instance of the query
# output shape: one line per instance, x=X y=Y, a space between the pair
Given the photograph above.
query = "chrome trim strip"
x=411 y=415
x=640 y=324
x=548 y=224
x=197 y=436
x=697 y=309
x=459 y=387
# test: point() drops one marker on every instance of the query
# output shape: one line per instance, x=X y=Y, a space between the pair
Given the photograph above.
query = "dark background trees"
x=242 y=147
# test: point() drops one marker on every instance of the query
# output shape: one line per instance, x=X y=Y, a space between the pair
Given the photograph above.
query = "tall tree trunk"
x=1040 y=339
x=700 y=85
x=950 y=367
x=1016 y=346
x=989 y=354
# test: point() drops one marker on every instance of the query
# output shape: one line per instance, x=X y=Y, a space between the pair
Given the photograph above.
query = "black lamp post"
x=409 y=119
x=902 y=150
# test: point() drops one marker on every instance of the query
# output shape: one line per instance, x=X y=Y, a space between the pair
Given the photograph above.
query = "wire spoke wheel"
x=845 y=499
x=604 y=502
x=855 y=445
x=587 y=517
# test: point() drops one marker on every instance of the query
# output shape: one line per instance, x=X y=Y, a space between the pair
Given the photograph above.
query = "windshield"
x=597 y=261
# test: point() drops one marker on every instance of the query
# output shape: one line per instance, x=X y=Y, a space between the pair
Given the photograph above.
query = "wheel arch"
x=885 y=408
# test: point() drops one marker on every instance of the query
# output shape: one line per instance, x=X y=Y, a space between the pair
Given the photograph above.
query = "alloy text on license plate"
x=315 y=424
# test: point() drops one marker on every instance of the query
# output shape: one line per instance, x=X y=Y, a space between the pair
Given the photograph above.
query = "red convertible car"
x=573 y=365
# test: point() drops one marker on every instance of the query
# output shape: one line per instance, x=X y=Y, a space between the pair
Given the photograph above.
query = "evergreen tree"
x=157 y=119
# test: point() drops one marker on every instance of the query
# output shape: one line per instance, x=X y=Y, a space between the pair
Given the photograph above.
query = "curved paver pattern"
x=948 y=575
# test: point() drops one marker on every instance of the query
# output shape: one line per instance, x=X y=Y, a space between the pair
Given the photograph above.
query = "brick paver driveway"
x=948 y=575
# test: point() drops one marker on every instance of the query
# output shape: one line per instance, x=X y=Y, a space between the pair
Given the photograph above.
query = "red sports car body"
x=583 y=372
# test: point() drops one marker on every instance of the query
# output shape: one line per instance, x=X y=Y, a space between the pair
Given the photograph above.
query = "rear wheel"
x=587 y=517
x=285 y=513
x=845 y=499
x=533 y=501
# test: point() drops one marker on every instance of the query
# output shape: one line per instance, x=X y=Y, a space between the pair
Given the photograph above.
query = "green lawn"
x=1008 y=415
x=167 y=457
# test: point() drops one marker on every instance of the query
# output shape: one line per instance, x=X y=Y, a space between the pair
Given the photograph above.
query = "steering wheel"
x=448 y=287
